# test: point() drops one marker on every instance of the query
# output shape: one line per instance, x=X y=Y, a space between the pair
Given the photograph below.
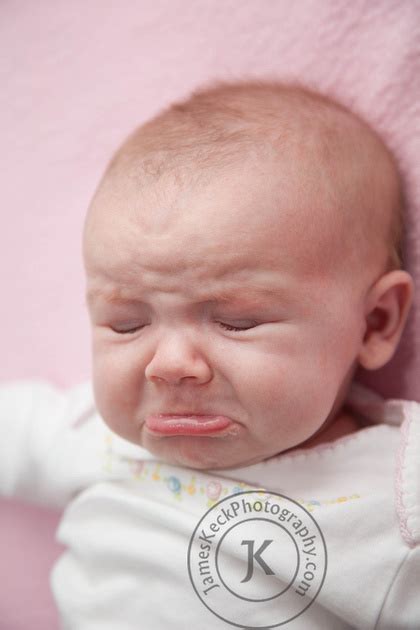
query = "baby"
x=243 y=255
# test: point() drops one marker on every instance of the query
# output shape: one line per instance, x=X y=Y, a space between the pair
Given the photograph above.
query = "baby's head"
x=243 y=258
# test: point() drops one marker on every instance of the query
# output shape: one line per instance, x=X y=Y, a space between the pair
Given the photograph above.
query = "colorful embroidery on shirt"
x=211 y=491
x=312 y=504
x=182 y=486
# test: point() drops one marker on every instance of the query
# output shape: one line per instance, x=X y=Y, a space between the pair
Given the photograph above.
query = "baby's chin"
x=184 y=451
x=202 y=453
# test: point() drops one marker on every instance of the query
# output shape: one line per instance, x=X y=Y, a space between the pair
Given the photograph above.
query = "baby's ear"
x=387 y=308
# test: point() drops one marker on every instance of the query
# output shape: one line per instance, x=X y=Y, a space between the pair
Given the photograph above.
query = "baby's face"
x=219 y=301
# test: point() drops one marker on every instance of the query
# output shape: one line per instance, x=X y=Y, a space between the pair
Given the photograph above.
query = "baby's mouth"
x=188 y=424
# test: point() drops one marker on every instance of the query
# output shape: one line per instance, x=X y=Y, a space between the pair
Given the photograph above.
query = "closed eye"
x=228 y=327
x=236 y=328
x=129 y=331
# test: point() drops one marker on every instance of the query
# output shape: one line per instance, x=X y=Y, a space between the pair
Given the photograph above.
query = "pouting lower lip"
x=165 y=424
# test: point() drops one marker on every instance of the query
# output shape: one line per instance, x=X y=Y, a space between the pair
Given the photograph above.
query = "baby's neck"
x=344 y=424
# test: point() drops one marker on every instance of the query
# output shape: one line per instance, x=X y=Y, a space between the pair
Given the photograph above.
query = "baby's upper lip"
x=176 y=413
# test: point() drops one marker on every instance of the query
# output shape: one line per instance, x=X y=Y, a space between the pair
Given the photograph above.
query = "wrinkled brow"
x=252 y=294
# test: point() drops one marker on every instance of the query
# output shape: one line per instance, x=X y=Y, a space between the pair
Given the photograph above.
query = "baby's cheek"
x=113 y=388
x=299 y=396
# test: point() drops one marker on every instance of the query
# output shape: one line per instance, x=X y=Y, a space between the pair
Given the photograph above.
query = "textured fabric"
x=129 y=517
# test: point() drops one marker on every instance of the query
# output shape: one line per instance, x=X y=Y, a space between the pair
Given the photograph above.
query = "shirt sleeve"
x=51 y=441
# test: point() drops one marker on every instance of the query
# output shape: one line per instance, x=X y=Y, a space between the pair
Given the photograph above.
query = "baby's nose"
x=177 y=358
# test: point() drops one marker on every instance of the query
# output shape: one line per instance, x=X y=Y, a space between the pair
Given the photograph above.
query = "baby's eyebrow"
x=112 y=297
x=246 y=294
x=237 y=293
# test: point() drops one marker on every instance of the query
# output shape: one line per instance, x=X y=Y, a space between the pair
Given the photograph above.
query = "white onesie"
x=129 y=518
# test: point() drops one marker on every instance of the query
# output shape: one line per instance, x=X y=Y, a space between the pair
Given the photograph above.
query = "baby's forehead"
x=316 y=164
x=242 y=225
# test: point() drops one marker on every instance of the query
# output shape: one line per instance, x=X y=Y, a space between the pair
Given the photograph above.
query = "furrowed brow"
x=111 y=297
x=246 y=293
x=233 y=294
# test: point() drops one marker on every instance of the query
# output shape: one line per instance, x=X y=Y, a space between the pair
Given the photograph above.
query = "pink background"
x=78 y=76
